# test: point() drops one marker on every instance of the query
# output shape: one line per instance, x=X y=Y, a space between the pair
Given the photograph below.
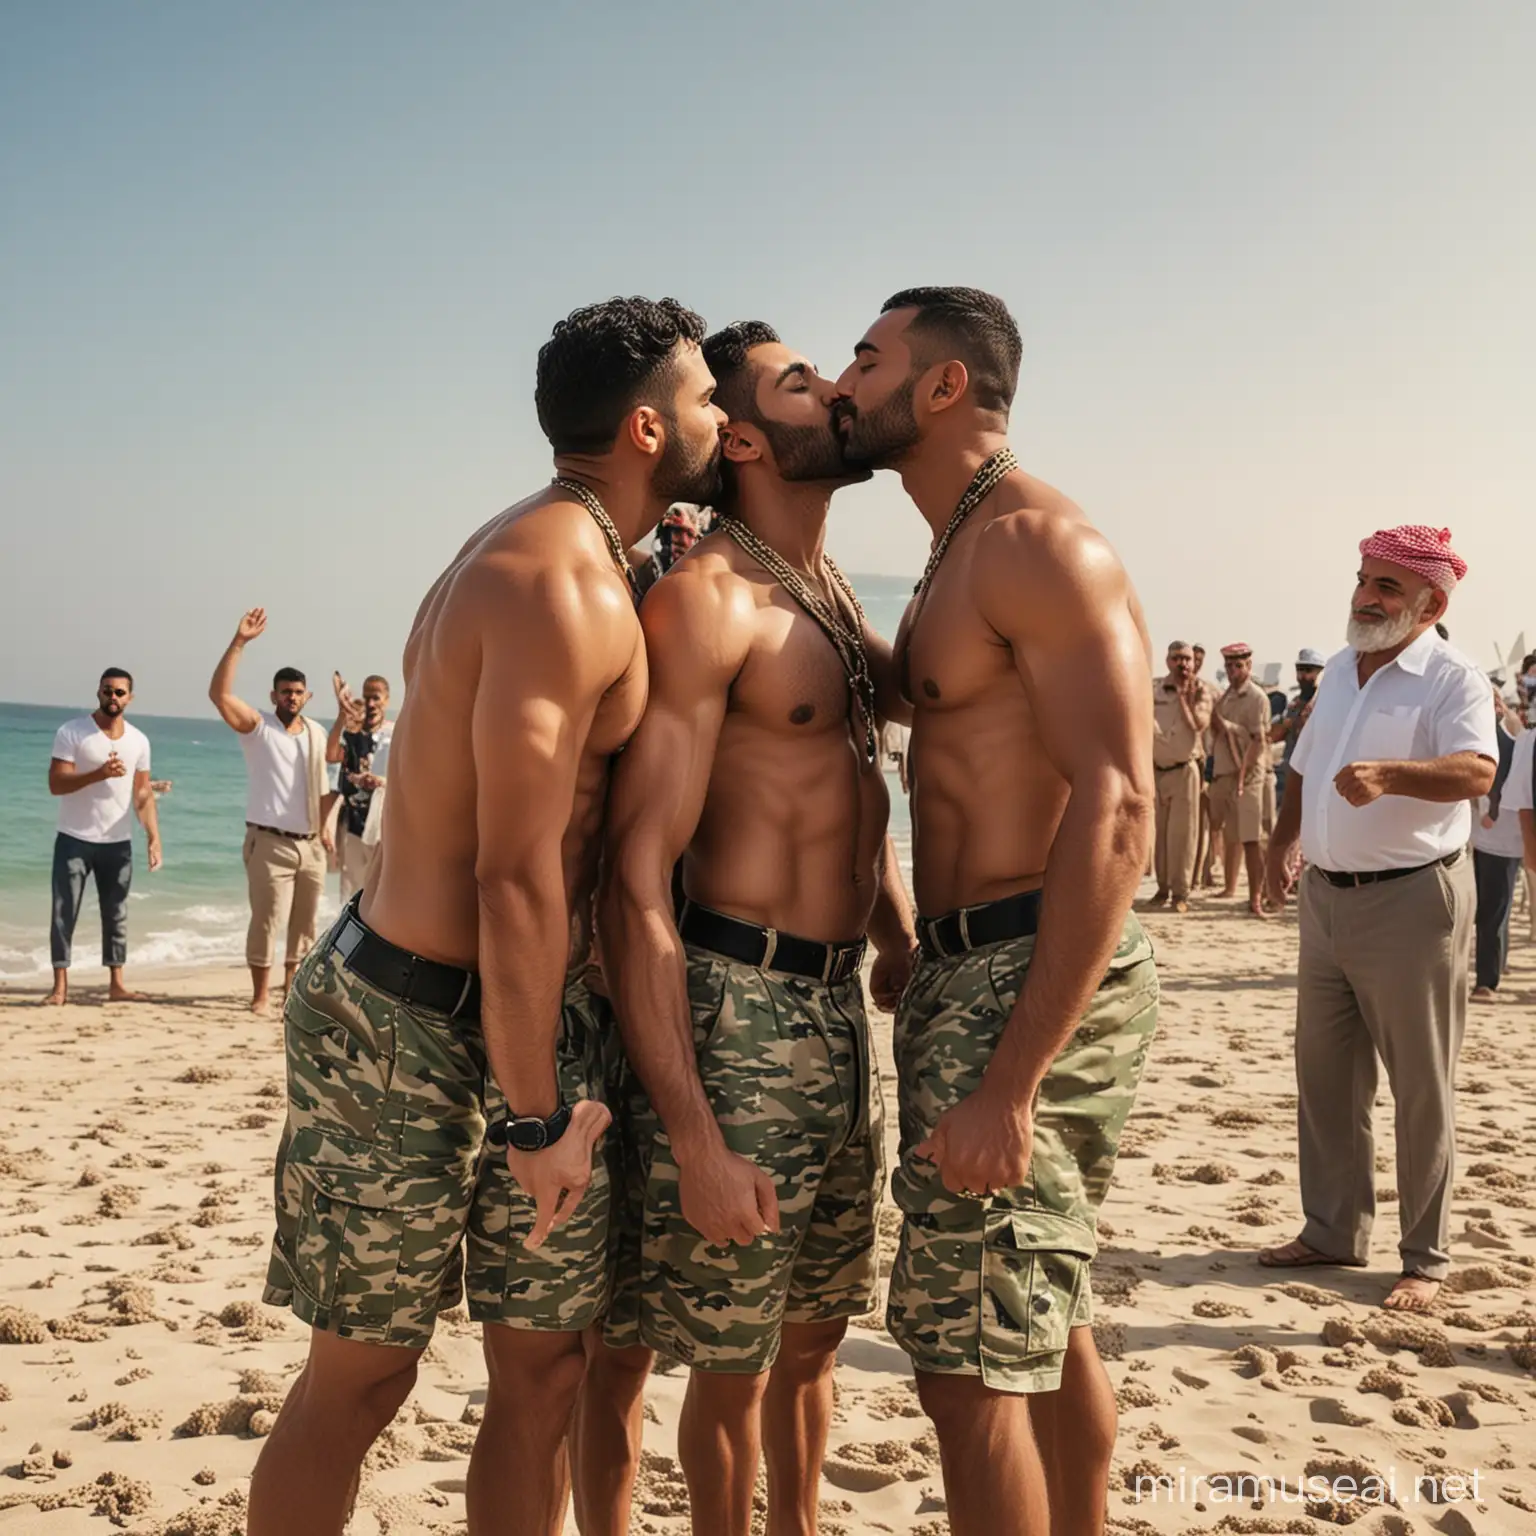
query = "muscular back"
x=1027 y=662
x=525 y=673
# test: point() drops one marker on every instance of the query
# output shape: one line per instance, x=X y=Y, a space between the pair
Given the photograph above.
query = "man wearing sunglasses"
x=100 y=772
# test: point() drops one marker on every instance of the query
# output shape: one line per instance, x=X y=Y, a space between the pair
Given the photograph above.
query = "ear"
x=645 y=431
x=1439 y=604
x=740 y=444
x=945 y=386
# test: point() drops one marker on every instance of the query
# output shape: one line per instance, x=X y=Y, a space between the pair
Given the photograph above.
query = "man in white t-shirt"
x=100 y=773
x=285 y=838
x=1497 y=849
x=1400 y=739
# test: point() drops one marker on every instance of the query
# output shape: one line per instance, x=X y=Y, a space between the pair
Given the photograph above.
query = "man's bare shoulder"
x=1043 y=546
x=704 y=601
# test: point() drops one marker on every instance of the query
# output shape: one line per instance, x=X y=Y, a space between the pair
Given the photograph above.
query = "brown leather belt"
x=297 y=837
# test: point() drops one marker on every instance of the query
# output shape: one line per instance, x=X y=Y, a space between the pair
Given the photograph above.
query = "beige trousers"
x=286 y=879
x=356 y=860
x=1383 y=971
x=1178 y=827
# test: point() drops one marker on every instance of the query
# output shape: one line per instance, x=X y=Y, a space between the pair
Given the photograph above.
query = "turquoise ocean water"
x=193 y=910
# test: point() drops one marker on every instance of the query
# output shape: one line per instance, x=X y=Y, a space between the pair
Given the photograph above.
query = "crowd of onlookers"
x=1221 y=756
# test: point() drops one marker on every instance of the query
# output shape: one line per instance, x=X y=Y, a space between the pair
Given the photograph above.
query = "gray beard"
x=1368 y=636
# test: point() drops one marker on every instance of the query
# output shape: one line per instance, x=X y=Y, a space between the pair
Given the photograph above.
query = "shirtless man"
x=1020 y=1041
x=744 y=1015
x=455 y=995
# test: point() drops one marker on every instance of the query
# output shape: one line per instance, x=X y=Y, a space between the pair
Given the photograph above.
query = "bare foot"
x=1256 y=909
x=1297 y=1255
x=1482 y=994
x=1181 y=907
x=1413 y=1293
x=261 y=1004
x=124 y=995
x=1223 y=895
x=55 y=999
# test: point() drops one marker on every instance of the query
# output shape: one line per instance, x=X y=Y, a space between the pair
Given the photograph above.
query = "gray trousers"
x=111 y=866
x=1383 y=972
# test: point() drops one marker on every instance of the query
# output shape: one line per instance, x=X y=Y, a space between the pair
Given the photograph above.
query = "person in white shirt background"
x=1497 y=849
x=100 y=772
x=356 y=747
x=1400 y=740
x=285 y=838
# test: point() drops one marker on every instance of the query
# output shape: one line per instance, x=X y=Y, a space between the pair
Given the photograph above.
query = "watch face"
x=527 y=1135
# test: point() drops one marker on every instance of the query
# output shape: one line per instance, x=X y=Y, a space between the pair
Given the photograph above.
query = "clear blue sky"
x=274 y=278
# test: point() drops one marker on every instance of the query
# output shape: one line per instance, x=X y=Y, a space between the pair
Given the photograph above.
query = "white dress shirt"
x=1428 y=703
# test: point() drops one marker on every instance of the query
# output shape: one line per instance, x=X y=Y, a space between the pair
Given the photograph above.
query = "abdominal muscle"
x=792 y=832
x=986 y=801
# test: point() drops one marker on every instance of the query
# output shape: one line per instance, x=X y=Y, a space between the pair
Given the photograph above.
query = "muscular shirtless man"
x=744 y=1014
x=1021 y=1039
x=454 y=995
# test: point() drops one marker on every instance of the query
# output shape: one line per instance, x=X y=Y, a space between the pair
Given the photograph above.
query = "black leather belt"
x=1376 y=876
x=767 y=948
x=1013 y=917
x=297 y=837
x=422 y=983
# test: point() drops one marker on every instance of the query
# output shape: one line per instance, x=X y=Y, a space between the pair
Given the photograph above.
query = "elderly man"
x=1400 y=739
x=1181 y=714
x=1243 y=774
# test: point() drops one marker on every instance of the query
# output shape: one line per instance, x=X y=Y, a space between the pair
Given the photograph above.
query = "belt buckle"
x=469 y=981
x=770 y=948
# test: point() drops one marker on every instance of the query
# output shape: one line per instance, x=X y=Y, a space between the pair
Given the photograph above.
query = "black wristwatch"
x=528 y=1133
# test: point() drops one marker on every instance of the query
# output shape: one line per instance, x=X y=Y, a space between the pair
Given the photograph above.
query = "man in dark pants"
x=99 y=769
x=1496 y=854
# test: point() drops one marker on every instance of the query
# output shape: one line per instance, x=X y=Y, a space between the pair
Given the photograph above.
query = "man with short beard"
x=1399 y=741
x=1181 y=715
x=1021 y=1038
x=1244 y=777
x=754 y=1128
x=447 y=1051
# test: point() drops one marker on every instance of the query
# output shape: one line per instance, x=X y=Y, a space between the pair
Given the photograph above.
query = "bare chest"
x=947 y=656
x=793 y=682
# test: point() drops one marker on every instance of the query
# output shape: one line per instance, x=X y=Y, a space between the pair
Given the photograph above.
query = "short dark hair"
x=377 y=677
x=121 y=672
x=975 y=327
x=725 y=353
x=598 y=363
x=1179 y=645
x=288 y=675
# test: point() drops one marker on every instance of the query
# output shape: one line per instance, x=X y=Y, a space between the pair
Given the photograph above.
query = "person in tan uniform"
x=1181 y=715
x=1243 y=772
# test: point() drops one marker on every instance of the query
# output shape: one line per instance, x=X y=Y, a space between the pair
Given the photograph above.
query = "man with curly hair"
x=453 y=992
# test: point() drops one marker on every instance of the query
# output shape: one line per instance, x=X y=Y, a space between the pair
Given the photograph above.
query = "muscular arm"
x=697 y=632
x=892 y=927
x=1065 y=606
x=237 y=714
x=64 y=778
x=889 y=703
x=548 y=652
x=149 y=816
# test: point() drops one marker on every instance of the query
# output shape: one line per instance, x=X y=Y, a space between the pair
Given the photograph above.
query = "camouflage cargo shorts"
x=992 y=1287
x=785 y=1062
x=387 y=1197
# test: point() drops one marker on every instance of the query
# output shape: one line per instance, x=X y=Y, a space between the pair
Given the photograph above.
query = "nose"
x=720 y=417
x=844 y=385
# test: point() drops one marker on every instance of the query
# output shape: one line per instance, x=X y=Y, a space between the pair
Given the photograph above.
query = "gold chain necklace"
x=983 y=483
x=847 y=641
x=589 y=500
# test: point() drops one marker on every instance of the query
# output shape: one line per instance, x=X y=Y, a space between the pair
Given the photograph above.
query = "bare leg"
x=994 y=1482
x=1253 y=856
x=306 y=1476
x=519 y=1475
x=1231 y=856
x=1075 y=1430
x=718 y=1441
x=60 y=993
x=118 y=991
x=797 y=1413
x=606 y=1434
x=289 y=967
x=261 y=988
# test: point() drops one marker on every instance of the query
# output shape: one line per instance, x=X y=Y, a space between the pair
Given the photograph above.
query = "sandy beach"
x=138 y=1369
